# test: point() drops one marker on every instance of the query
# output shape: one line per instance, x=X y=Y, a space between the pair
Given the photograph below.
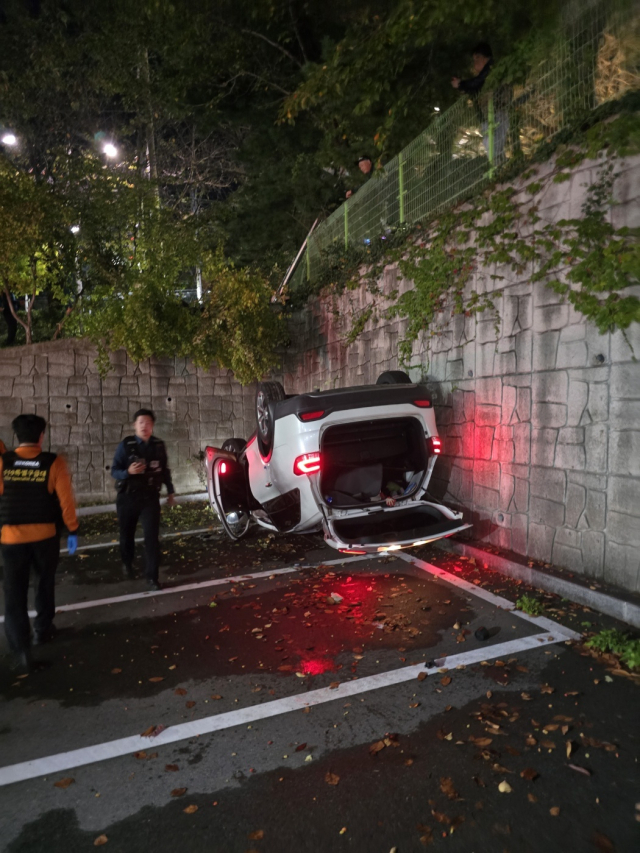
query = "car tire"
x=234 y=445
x=394 y=377
x=267 y=393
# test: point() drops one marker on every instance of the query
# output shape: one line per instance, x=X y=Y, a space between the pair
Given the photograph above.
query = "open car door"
x=227 y=490
x=382 y=528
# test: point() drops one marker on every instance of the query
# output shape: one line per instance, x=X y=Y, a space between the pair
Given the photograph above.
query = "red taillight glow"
x=308 y=463
x=436 y=445
x=422 y=404
x=223 y=468
x=210 y=452
x=350 y=551
x=311 y=416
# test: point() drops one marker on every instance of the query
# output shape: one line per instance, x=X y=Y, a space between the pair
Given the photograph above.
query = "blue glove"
x=72 y=543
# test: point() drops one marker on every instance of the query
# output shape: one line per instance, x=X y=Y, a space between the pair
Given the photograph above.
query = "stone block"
x=484 y=498
x=540 y=541
x=519 y=533
x=524 y=352
x=622 y=566
x=593 y=543
x=548 y=415
x=566 y=557
x=523 y=404
x=6 y=386
x=503 y=433
x=483 y=442
x=576 y=402
x=548 y=483
x=595 y=510
x=485 y=358
x=625 y=382
x=489 y=392
x=595 y=443
x=545 y=348
x=624 y=495
x=598 y=405
x=487 y=415
x=550 y=387
x=624 y=414
x=623 y=528
x=575 y=504
x=543 y=511
x=487 y=474
x=507 y=489
x=570 y=457
x=458 y=407
x=572 y=354
x=550 y=317
x=509 y=398
x=469 y=405
x=503 y=451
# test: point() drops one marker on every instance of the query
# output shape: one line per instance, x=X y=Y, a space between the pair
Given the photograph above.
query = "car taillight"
x=308 y=463
x=223 y=468
x=422 y=404
x=435 y=445
x=311 y=416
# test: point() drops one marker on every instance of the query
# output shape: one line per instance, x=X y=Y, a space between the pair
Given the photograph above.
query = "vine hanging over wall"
x=585 y=259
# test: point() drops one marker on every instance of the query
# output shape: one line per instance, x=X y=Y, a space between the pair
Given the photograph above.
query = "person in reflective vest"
x=140 y=469
x=35 y=490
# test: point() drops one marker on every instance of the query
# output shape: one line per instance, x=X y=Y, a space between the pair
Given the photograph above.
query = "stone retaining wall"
x=88 y=415
x=541 y=426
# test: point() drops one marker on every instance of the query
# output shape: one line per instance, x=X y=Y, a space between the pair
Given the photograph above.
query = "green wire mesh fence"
x=596 y=58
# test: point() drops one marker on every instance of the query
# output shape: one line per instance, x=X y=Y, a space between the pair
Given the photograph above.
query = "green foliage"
x=529 y=604
x=619 y=643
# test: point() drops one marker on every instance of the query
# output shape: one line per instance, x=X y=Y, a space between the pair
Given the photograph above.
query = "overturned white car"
x=352 y=462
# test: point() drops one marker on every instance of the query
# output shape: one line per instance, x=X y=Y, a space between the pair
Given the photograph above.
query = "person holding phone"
x=35 y=489
x=140 y=468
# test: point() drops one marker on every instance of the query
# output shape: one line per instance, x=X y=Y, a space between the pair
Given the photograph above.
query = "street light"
x=75 y=229
x=10 y=139
x=110 y=150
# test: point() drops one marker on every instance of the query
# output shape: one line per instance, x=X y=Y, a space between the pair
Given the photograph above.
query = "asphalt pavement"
x=274 y=697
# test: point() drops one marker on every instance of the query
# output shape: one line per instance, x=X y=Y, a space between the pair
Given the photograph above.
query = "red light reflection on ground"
x=316 y=666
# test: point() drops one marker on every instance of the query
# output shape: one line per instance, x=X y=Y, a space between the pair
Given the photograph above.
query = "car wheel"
x=234 y=445
x=267 y=393
x=394 y=377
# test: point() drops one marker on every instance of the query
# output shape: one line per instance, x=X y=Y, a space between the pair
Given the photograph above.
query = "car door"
x=226 y=488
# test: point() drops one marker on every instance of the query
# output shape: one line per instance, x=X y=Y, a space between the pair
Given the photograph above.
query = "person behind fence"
x=482 y=63
x=35 y=489
x=365 y=164
x=140 y=468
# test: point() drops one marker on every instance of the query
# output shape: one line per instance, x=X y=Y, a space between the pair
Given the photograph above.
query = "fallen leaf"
x=408 y=762
x=530 y=740
x=216 y=696
x=257 y=835
x=64 y=783
x=603 y=843
x=529 y=773
x=190 y=809
x=140 y=755
x=579 y=769
x=178 y=792
x=334 y=685
x=156 y=678
x=301 y=747
x=546 y=689
x=427 y=835
x=547 y=744
x=446 y=786
x=414 y=704
x=532 y=798
x=445 y=681
x=171 y=768
x=376 y=747
x=481 y=741
x=422 y=676
x=554 y=810
x=504 y=787
x=115 y=671
x=190 y=704
x=569 y=748
x=180 y=691
x=100 y=840
x=331 y=778
x=174 y=666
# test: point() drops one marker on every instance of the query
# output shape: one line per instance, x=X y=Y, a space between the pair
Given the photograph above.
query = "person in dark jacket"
x=35 y=488
x=482 y=63
x=140 y=468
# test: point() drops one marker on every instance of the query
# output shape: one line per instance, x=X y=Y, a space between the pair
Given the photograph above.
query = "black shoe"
x=127 y=571
x=22 y=662
x=45 y=636
x=154 y=584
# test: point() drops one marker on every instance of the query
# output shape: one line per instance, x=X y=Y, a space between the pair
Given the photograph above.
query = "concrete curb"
x=101 y=508
x=611 y=605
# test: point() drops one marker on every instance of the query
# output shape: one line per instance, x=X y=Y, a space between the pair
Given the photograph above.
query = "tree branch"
x=257 y=77
x=276 y=45
x=297 y=32
x=13 y=310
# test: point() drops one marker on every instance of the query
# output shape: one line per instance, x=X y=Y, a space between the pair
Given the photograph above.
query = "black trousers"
x=19 y=560
x=145 y=506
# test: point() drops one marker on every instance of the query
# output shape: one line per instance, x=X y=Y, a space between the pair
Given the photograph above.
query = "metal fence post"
x=346 y=224
x=491 y=129
x=401 y=186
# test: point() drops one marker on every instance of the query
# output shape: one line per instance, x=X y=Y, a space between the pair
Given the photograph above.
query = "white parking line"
x=134 y=596
x=183 y=731
x=496 y=600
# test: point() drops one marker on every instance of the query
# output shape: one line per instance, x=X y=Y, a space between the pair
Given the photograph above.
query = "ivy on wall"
x=585 y=259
